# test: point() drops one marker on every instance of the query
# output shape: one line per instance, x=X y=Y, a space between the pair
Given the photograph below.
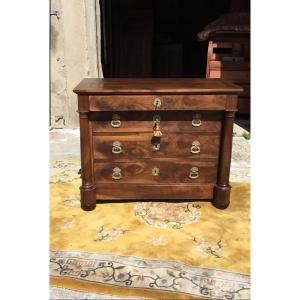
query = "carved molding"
x=83 y=114
x=230 y=113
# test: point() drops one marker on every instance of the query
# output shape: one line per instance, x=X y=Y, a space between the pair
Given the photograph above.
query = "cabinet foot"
x=221 y=198
x=88 y=198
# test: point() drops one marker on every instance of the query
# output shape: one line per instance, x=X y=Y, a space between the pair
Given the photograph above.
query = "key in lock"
x=156 y=130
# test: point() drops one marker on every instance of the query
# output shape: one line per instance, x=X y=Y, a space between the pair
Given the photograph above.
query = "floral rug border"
x=149 y=274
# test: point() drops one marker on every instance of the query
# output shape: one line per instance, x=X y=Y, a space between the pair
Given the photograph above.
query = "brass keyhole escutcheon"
x=194 y=173
x=156 y=118
x=196 y=122
x=116 y=147
x=155 y=171
x=195 y=147
x=155 y=142
x=115 y=122
x=156 y=146
x=116 y=175
x=157 y=103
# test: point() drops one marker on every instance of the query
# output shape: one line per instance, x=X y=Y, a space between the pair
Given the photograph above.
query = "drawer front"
x=166 y=102
x=127 y=191
x=156 y=171
x=169 y=121
x=235 y=76
x=143 y=145
x=217 y=65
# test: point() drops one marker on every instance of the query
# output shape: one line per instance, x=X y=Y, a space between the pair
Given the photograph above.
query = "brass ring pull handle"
x=195 y=147
x=155 y=171
x=115 y=122
x=116 y=175
x=116 y=148
x=196 y=122
x=194 y=173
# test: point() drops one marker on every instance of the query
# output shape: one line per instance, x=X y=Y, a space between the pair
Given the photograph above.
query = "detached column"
x=222 y=188
x=87 y=189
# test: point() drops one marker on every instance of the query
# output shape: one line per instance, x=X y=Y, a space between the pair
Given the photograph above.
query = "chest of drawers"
x=156 y=139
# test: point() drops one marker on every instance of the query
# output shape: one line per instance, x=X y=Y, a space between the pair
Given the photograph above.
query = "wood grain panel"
x=121 y=191
x=170 y=171
x=168 y=102
x=170 y=122
x=141 y=146
x=228 y=65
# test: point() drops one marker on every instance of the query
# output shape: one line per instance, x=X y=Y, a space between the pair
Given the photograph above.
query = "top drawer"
x=157 y=102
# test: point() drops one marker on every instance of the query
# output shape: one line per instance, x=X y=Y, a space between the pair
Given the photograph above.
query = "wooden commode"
x=156 y=139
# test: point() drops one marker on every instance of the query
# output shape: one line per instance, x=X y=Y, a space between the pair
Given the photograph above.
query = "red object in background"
x=228 y=57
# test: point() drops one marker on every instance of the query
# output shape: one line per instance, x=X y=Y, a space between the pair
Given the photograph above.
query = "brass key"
x=156 y=129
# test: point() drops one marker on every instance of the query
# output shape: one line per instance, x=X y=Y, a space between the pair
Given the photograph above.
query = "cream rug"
x=154 y=250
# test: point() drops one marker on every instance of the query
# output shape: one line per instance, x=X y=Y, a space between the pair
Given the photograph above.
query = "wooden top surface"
x=144 y=86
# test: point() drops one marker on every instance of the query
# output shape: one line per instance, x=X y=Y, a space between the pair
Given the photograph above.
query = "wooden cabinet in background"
x=228 y=57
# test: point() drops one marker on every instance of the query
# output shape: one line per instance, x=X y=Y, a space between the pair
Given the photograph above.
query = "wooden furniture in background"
x=156 y=139
x=228 y=57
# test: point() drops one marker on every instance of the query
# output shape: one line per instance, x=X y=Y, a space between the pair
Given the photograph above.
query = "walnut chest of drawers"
x=156 y=139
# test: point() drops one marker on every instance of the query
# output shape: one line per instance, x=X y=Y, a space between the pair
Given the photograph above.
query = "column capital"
x=83 y=114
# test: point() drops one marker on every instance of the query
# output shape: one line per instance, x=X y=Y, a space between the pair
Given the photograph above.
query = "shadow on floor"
x=244 y=122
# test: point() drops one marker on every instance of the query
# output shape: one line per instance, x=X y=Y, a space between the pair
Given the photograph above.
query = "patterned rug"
x=155 y=250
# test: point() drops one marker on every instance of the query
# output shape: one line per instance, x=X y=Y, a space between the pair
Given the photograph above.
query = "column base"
x=221 y=198
x=88 y=198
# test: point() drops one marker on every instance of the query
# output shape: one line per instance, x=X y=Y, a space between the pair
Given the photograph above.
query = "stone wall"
x=74 y=54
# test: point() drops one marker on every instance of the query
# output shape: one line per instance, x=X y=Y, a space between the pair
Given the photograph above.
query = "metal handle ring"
x=115 y=122
x=194 y=174
x=117 y=147
x=195 y=147
x=116 y=174
x=196 y=122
